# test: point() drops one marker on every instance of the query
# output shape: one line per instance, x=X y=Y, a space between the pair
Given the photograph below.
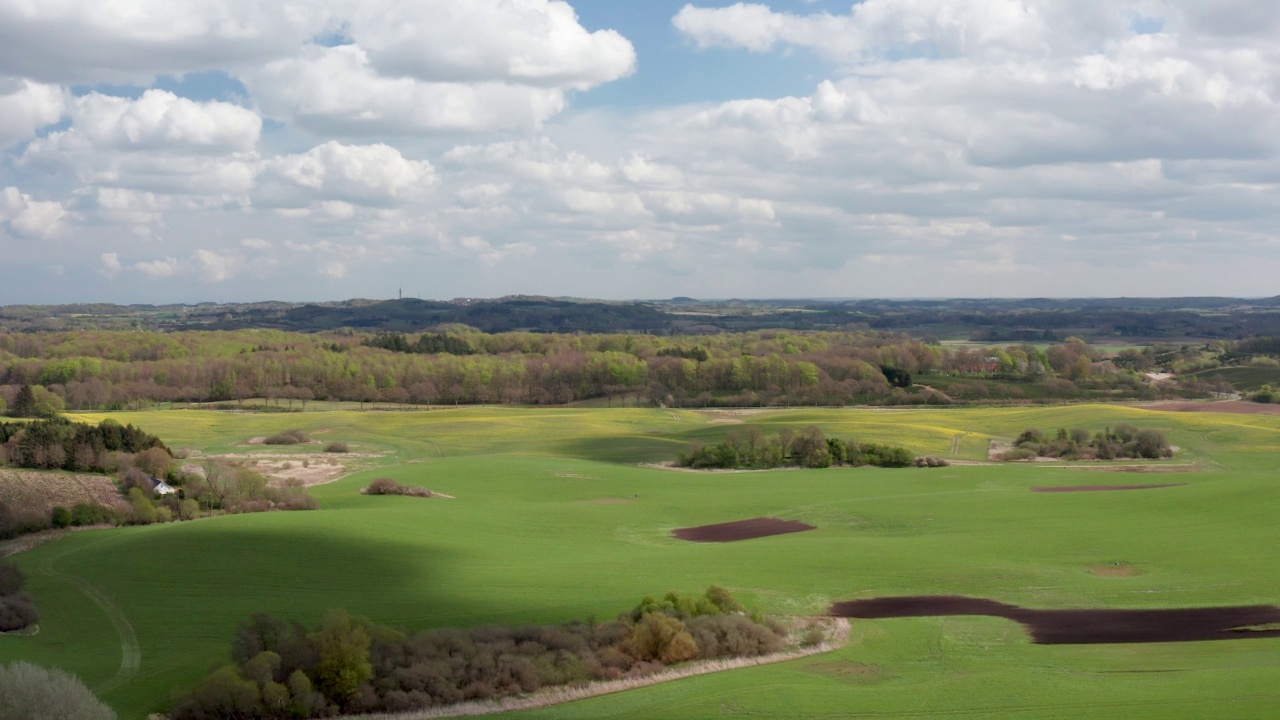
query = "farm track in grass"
x=555 y=521
x=130 y=649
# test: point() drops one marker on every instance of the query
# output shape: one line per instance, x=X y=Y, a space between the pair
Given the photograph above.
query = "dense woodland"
x=59 y=444
x=133 y=370
x=282 y=670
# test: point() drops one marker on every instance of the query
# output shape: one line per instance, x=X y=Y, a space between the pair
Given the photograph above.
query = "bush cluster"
x=281 y=670
x=60 y=444
x=387 y=486
x=809 y=448
x=17 y=608
x=1120 y=442
x=20 y=521
x=337 y=447
x=288 y=437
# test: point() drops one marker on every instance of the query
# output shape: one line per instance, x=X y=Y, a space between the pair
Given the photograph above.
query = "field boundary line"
x=130 y=648
x=559 y=695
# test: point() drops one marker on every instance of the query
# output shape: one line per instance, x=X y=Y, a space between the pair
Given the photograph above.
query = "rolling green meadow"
x=555 y=518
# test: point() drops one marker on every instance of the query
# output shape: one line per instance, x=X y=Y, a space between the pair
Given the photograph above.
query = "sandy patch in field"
x=574 y=476
x=308 y=469
x=725 y=421
x=1235 y=407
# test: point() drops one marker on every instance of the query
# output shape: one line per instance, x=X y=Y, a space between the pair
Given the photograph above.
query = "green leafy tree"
x=30 y=692
x=344 y=665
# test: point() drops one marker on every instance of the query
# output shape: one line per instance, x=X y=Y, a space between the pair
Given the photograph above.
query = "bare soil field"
x=43 y=491
x=1082 y=627
x=1237 y=407
x=1102 y=488
x=741 y=530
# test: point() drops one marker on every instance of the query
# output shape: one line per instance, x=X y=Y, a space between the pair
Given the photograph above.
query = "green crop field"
x=555 y=519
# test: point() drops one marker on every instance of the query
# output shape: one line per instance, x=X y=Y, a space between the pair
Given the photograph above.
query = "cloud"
x=110 y=264
x=335 y=90
x=158 y=120
x=372 y=175
x=530 y=42
x=68 y=41
x=157 y=269
x=27 y=106
x=25 y=217
x=217 y=267
x=158 y=143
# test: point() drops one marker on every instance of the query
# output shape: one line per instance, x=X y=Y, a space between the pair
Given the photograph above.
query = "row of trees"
x=94 y=370
x=809 y=448
x=281 y=670
x=1119 y=442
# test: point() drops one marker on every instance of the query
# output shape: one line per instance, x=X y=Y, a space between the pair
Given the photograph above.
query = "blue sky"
x=191 y=150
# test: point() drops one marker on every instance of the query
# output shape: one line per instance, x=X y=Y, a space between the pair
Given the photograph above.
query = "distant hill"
x=980 y=320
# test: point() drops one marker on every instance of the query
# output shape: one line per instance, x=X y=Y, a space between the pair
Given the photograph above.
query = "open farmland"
x=555 y=520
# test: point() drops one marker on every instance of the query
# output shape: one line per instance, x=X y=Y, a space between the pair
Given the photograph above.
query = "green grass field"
x=553 y=520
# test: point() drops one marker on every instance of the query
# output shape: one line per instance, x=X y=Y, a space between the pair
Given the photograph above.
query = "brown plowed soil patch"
x=741 y=530
x=1082 y=627
x=1101 y=488
x=1235 y=407
x=1115 y=570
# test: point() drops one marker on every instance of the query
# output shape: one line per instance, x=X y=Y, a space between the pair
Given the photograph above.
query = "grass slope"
x=541 y=533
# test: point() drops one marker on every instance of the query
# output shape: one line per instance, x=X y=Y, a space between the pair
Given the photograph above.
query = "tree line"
x=129 y=370
x=281 y=669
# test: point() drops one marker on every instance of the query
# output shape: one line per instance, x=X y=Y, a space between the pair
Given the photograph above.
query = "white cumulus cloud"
x=26 y=217
x=27 y=106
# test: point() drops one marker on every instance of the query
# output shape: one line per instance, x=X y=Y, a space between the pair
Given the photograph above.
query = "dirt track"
x=741 y=530
x=1079 y=627
x=1101 y=488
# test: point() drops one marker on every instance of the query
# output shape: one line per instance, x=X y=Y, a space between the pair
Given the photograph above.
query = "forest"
x=42 y=374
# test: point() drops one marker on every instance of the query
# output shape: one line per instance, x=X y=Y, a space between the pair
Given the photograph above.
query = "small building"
x=162 y=488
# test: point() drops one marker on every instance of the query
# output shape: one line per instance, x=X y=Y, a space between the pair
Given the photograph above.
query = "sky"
x=159 y=151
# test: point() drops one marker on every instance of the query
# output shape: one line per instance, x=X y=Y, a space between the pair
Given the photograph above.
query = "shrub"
x=30 y=692
x=60 y=517
x=288 y=437
x=12 y=579
x=17 y=611
x=931 y=461
x=337 y=447
x=1018 y=454
x=387 y=486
